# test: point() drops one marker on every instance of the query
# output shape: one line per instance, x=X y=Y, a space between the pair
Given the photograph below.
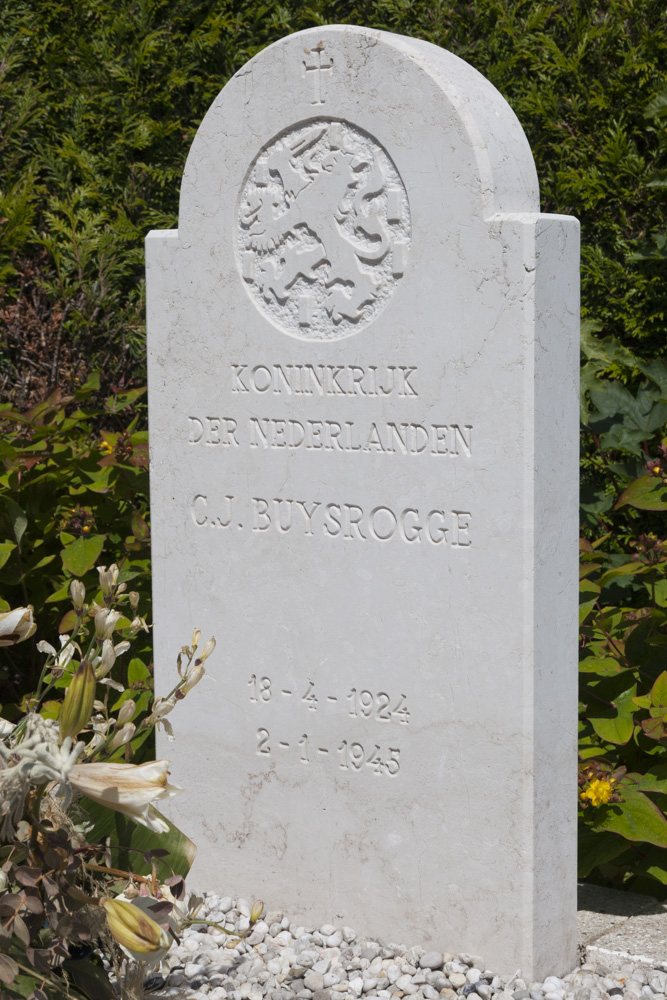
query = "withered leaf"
x=8 y=969
x=21 y=931
x=27 y=876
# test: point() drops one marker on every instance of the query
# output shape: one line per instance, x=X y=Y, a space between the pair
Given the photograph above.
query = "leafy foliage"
x=69 y=493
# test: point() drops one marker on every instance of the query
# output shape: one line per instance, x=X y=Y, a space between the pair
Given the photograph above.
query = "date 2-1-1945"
x=351 y=756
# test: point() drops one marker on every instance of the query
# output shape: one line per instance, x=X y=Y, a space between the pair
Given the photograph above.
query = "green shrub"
x=73 y=493
x=100 y=102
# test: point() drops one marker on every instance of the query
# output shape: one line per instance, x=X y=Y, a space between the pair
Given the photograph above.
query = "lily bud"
x=257 y=911
x=192 y=677
x=77 y=593
x=78 y=702
x=126 y=712
x=134 y=600
x=196 y=636
x=209 y=646
x=16 y=625
x=122 y=736
x=107 y=659
x=105 y=622
x=132 y=928
x=161 y=708
x=108 y=578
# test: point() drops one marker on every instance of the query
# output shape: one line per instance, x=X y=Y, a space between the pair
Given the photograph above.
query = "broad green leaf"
x=90 y=978
x=627 y=569
x=653 y=728
x=646 y=493
x=139 y=527
x=649 y=782
x=120 y=401
x=659 y=690
x=137 y=671
x=635 y=818
x=99 y=481
x=67 y=622
x=15 y=518
x=588 y=596
x=129 y=841
x=597 y=848
x=614 y=723
x=605 y=666
x=43 y=562
x=82 y=554
x=658 y=592
x=655 y=866
x=6 y=549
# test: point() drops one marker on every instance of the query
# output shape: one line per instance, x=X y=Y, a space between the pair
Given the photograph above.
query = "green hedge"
x=100 y=101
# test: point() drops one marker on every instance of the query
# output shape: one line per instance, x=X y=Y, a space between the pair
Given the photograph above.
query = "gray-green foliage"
x=100 y=101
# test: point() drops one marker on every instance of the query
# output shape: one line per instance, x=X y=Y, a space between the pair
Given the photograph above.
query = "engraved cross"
x=317 y=66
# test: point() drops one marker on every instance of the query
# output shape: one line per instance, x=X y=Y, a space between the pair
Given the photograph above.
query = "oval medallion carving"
x=323 y=230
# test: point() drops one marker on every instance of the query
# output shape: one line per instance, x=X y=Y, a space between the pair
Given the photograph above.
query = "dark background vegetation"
x=99 y=102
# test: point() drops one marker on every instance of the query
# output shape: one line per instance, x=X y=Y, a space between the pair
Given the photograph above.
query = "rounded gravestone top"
x=323 y=229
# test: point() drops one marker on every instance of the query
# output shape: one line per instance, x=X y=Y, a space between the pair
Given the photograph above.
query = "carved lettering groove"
x=323 y=226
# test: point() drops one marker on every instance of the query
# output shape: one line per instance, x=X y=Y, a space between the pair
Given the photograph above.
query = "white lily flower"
x=116 y=685
x=193 y=676
x=125 y=712
x=108 y=578
x=127 y=788
x=105 y=622
x=16 y=625
x=105 y=662
x=45 y=647
x=121 y=647
x=77 y=593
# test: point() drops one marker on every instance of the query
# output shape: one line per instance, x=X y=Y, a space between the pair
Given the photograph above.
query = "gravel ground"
x=280 y=960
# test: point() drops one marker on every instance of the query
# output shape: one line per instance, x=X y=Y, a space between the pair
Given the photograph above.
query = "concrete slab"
x=616 y=928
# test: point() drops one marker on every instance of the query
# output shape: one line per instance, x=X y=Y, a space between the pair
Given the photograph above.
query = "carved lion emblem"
x=323 y=230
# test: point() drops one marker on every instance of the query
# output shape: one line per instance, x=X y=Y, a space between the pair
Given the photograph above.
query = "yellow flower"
x=599 y=791
x=133 y=929
x=16 y=625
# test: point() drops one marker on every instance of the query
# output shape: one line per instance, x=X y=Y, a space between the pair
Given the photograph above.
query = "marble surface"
x=363 y=399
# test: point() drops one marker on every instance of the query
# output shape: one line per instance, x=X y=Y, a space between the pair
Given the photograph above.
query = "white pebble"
x=370 y=984
x=313 y=980
x=405 y=984
x=334 y=940
x=356 y=986
x=349 y=934
x=326 y=930
x=473 y=975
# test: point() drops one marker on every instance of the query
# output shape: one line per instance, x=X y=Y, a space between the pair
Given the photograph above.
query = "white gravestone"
x=363 y=350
